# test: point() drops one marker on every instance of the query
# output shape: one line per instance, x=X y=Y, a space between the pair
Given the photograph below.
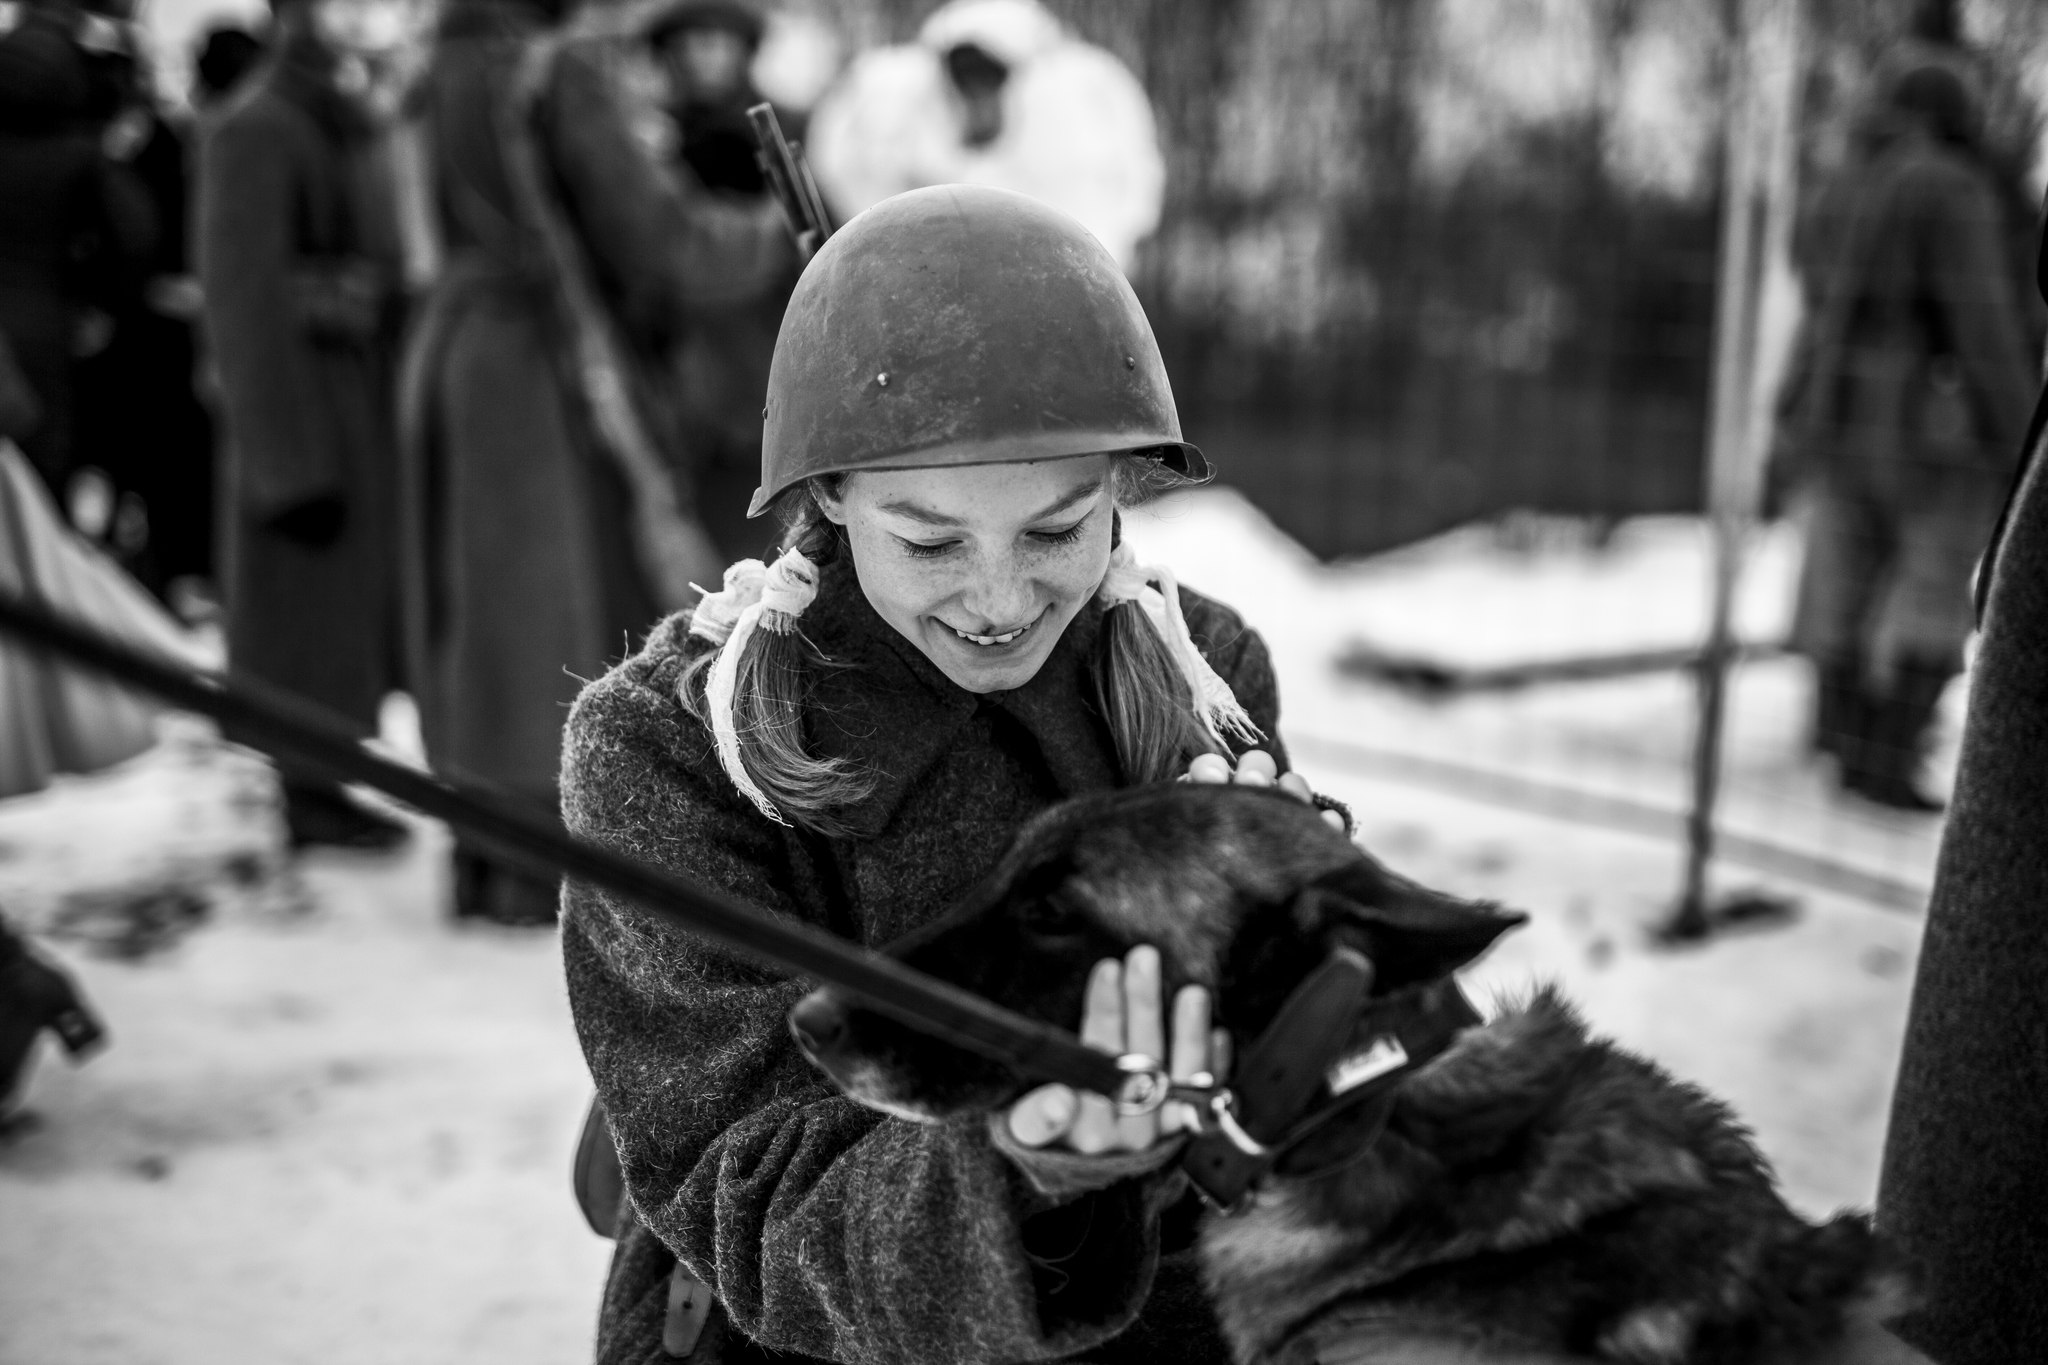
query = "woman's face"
x=980 y=566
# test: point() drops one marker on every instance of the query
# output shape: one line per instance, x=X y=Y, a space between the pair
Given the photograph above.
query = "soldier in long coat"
x=549 y=513
x=1913 y=402
x=297 y=259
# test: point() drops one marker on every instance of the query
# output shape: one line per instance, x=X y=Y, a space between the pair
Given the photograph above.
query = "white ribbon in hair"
x=716 y=612
x=1216 y=706
x=754 y=596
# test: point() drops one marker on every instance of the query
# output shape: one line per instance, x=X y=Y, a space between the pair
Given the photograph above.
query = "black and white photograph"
x=1023 y=682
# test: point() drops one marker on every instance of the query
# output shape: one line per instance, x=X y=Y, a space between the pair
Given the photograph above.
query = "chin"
x=1004 y=676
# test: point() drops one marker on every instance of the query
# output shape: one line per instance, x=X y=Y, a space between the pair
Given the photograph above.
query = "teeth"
x=989 y=639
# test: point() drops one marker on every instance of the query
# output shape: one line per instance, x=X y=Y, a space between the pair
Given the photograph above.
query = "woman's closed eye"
x=920 y=549
x=1066 y=535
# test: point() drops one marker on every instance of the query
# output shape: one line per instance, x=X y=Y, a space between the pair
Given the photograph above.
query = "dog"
x=1527 y=1194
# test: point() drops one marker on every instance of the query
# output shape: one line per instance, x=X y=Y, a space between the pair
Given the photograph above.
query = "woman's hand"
x=1257 y=769
x=1122 y=1015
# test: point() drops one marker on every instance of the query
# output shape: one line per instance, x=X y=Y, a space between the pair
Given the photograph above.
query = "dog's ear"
x=1411 y=933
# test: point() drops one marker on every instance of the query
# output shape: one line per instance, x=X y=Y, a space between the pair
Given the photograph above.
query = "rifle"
x=789 y=178
x=289 y=726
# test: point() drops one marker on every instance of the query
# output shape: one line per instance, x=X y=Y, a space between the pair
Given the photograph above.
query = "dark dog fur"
x=1535 y=1191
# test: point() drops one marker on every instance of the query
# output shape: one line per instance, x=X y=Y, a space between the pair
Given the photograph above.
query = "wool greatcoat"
x=521 y=570
x=297 y=255
x=826 y=1229
x=1965 y=1184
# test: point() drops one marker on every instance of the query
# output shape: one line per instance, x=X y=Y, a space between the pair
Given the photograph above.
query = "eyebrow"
x=919 y=513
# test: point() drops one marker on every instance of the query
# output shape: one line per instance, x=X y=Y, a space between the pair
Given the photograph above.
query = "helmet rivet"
x=1130 y=362
x=883 y=379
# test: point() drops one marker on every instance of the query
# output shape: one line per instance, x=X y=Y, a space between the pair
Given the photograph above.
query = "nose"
x=1001 y=594
x=818 y=1023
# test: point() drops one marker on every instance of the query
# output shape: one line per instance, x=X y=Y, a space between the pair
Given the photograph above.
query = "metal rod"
x=279 y=723
x=1604 y=810
x=1438 y=678
x=1757 y=177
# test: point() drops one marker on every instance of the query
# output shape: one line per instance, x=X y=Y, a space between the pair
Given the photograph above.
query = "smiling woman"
x=964 y=394
x=980 y=566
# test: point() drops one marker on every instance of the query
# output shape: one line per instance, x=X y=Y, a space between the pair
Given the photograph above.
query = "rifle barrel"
x=264 y=717
x=789 y=178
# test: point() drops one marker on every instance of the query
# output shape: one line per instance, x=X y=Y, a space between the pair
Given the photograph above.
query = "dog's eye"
x=1044 y=915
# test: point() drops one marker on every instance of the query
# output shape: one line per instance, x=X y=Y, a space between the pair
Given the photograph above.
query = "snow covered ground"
x=333 y=1128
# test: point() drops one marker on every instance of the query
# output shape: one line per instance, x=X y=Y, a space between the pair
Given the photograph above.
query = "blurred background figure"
x=996 y=92
x=53 y=719
x=77 y=231
x=706 y=50
x=143 y=480
x=1908 y=418
x=550 y=499
x=298 y=256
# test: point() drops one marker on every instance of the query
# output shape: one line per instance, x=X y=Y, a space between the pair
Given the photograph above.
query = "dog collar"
x=1314 y=1090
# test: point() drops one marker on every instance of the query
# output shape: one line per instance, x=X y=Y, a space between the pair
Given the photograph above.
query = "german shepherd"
x=1533 y=1194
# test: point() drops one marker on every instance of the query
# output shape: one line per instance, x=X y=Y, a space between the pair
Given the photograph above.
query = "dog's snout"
x=819 y=1023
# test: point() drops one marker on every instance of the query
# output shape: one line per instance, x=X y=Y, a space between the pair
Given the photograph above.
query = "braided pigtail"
x=1163 y=703
x=749 y=692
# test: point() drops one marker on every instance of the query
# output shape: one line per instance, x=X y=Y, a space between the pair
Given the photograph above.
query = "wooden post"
x=1760 y=147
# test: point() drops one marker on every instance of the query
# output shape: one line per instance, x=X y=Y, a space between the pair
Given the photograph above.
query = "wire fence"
x=1437 y=287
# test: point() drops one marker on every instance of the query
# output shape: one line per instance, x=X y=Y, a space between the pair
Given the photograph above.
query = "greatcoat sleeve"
x=824 y=1227
x=286 y=446
x=1972 y=286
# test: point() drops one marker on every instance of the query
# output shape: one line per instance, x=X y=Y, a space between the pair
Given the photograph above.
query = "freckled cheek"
x=903 y=585
x=1072 y=576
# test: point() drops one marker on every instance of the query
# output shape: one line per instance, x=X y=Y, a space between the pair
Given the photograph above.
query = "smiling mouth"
x=991 y=641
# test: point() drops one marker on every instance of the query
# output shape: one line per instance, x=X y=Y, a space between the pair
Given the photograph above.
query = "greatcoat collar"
x=882 y=705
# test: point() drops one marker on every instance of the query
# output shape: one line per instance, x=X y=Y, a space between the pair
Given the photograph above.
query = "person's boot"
x=472 y=884
x=325 y=815
x=35 y=996
x=1895 y=739
x=524 y=901
x=1838 y=708
x=489 y=890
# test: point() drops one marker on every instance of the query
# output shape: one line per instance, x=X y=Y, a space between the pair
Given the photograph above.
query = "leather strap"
x=1317 y=1086
x=1279 y=1075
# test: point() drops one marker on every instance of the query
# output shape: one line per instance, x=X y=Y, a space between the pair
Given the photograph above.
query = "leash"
x=267 y=718
x=1316 y=1087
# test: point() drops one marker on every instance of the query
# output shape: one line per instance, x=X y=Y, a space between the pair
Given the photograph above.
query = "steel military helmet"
x=962 y=325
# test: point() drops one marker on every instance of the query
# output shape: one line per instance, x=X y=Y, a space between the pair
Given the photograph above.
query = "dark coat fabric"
x=827 y=1230
x=297 y=255
x=1965 y=1181
x=75 y=229
x=521 y=575
x=139 y=417
x=1913 y=406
